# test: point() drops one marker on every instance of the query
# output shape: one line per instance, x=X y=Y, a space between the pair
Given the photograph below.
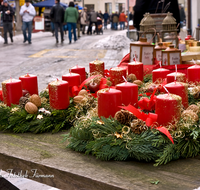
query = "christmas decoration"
x=131 y=78
x=31 y=108
x=83 y=93
x=190 y=115
x=23 y=101
x=194 y=108
x=124 y=117
x=78 y=99
x=138 y=82
x=93 y=87
x=138 y=126
x=35 y=99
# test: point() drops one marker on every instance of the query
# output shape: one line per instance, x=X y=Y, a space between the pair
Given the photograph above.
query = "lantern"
x=158 y=51
x=171 y=56
x=142 y=51
x=169 y=26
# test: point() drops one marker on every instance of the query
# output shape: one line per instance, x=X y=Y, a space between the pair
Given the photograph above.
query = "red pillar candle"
x=180 y=77
x=180 y=89
x=129 y=93
x=108 y=102
x=160 y=74
x=116 y=75
x=168 y=108
x=137 y=69
x=79 y=70
x=59 y=94
x=12 y=91
x=194 y=73
x=29 y=83
x=73 y=79
x=97 y=67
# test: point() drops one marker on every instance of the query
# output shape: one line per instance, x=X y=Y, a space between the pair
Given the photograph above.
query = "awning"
x=48 y=3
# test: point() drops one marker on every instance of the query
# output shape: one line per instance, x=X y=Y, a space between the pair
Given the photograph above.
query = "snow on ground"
x=113 y=42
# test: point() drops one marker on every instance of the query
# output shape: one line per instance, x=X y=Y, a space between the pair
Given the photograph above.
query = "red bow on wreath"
x=146 y=104
x=150 y=119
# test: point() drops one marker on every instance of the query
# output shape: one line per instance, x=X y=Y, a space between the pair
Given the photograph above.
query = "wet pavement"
x=50 y=61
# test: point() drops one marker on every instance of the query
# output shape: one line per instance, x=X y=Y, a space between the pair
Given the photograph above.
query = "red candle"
x=129 y=93
x=160 y=74
x=79 y=70
x=97 y=67
x=116 y=75
x=59 y=94
x=168 y=108
x=137 y=69
x=73 y=79
x=1 y=95
x=29 y=82
x=194 y=74
x=108 y=102
x=12 y=91
x=180 y=77
x=180 y=89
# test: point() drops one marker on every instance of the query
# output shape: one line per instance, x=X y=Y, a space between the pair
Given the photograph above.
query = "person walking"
x=105 y=17
x=93 y=20
x=84 y=19
x=78 y=24
x=7 y=17
x=115 y=20
x=71 y=17
x=27 y=12
x=57 y=15
x=122 y=20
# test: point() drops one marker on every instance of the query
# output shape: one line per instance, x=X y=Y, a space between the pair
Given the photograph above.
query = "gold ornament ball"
x=189 y=115
x=31 y=108
x=35 y=99
x=194 y=108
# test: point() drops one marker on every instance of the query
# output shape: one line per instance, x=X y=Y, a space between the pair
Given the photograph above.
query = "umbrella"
x=48 y=3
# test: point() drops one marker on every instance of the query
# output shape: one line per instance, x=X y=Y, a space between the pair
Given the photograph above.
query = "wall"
x=195 y=4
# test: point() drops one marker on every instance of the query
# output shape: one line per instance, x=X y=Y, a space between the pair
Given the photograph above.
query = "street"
x=50 y=61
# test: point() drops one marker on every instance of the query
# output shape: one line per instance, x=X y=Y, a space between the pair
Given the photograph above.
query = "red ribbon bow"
x=146 y=104
x=150 y=119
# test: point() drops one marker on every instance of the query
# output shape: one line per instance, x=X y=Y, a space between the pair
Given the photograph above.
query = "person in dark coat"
x=105 y=17
x=7 y=17
x=182 y=15
x=57 y=15
x=143 y=6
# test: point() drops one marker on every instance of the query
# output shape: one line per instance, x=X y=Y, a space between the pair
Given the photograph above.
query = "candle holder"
x=142 y=51
x=97 y=68
x=117 y=74
x=158 y=51
x=171 y=56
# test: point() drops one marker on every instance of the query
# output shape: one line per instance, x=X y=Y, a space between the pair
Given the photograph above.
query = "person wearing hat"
x=7 y=17
x=27 y=12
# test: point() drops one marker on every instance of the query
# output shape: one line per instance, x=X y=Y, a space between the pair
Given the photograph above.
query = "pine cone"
x=23 y=101
x=124 y=117
x=119 y=116
x=138 y=126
